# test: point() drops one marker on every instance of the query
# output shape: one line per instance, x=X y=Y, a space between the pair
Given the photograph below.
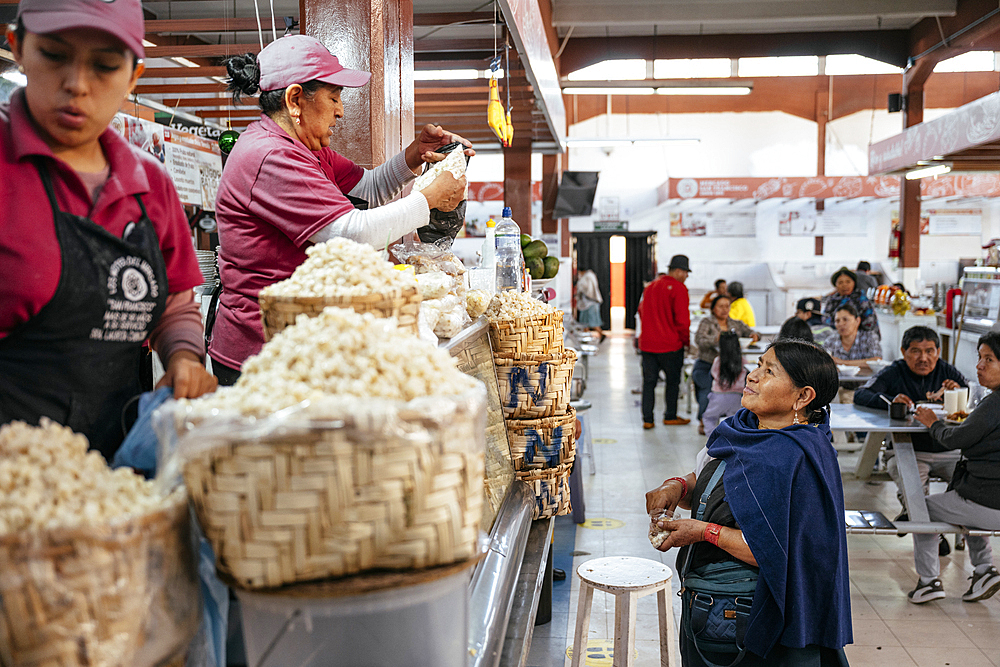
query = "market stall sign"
x=194 y=163
x=823 y=187
x=610 y=226
x=732 y=223
x=948 y=222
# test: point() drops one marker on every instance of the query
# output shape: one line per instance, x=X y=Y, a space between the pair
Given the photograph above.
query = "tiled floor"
x=888 y=631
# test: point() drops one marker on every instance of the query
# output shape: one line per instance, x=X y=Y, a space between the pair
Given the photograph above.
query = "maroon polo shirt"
x=30 y=260
x=274 y=194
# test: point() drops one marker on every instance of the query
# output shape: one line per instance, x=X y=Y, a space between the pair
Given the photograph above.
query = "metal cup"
x=898 y=410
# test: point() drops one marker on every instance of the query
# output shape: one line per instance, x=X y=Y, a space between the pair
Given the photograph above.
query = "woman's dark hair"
x=992 y=341
x=730 y=358
x=849 y=309
x=244 y=79
x=735 y=289
x=716 y=299
x=809 y=366
x=795 y=328
x=844 y=271
x=720 y=281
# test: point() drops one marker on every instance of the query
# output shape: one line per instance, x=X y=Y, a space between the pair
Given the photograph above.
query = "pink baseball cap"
x=300 y=58
x=120 y=18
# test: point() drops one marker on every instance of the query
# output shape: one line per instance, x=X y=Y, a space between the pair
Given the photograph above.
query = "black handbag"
x=716 y=597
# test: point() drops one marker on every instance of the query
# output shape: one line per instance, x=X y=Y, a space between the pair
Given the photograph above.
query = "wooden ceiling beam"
x=183 y=72
x=433 y=19
x=929 y=46
x=167 y=88
x=451 y=45
x=207 y=102
x=201 y=50
x=441 y=58
x=215 y=113
x=481 y=63
x=220 y=24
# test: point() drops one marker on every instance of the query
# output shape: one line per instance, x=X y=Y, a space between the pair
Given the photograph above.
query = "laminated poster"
x=194 y=163
x=721 y=224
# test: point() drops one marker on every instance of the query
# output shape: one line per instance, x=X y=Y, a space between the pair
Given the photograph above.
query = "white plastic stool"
x=628 y=579
x=586 y=444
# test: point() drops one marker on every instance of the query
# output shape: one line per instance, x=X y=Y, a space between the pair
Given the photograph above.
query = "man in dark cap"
x=811 y=311
x=666 y=332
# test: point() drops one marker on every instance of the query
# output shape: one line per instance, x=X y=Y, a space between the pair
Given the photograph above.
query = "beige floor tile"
x=939 y=657
x=872 y=656
x=861 y=610
x=985 y=635
x=933 y=634
x=897 y=608
x=873 y=632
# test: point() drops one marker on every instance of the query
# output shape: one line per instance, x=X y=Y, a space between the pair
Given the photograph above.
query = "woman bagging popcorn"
x=97 y=253
x=283 y=187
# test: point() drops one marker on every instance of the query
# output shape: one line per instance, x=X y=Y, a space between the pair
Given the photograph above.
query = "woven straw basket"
x=534 y=385
x=398 y=490
x=542 y=334
x=551 y=487
x=279 y=312
x=542 y=443
x=122 y=595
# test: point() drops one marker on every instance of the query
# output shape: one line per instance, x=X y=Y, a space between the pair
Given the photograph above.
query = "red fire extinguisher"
x=949 y=306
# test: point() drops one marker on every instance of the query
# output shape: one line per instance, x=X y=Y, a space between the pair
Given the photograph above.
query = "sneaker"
x=676 y=421
x=959 y=542
x=943 y=547
x=983 y=586
x=648 y=425
x=926 y=592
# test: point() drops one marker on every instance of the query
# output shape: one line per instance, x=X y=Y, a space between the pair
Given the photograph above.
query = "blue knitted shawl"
x=784 y=489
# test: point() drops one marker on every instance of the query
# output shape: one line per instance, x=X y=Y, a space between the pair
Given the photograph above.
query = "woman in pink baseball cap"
x=97 y=252
x=283 y=188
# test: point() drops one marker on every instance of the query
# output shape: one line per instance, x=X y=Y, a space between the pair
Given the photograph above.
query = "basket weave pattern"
x=542 y=443
x=98 y=596
x=534 y=385
x=542 y=334
x=279 y=312
x=323 y=502
x=551 y=487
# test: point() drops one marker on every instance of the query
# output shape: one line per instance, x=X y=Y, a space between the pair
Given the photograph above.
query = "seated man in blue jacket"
x=920 y=376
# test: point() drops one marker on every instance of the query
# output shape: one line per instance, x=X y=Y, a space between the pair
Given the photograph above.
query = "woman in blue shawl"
x=779 y=507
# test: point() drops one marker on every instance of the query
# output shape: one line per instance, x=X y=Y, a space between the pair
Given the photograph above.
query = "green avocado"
x=535 y=249
x=536 y=267
x=551 y=266
x=525 y=240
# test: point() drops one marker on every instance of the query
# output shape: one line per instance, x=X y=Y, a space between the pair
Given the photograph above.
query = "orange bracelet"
x=684 y=485
x=712 y=532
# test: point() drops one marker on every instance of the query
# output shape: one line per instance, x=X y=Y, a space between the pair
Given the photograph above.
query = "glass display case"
x=981 y=289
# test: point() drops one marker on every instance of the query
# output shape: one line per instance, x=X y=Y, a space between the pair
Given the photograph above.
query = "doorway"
x=624 y=263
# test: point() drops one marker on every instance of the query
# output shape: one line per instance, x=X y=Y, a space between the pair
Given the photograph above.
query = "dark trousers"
x=780 y=656
x=701 y=376
x=227 y=376
x=670 y=363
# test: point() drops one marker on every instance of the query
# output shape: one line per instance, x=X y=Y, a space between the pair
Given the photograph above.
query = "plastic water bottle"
x=509 y=261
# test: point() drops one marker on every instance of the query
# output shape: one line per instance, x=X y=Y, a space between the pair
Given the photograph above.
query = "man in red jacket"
x=666 y=332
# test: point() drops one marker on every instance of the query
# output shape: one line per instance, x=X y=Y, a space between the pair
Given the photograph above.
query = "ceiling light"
x=729 y=90
x=924 y=172
x=445 y=74
x=608 y=91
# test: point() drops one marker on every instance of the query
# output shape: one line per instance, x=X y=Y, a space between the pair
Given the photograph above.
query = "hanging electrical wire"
x=260 y=31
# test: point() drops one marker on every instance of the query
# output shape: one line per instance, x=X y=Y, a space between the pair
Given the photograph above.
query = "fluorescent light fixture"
x=16 y=77
x=611 y=70
x=608 y=91
x=445 y=74
x=925 y=172
x=602 y=142
x=686 y=90
x=185 y=62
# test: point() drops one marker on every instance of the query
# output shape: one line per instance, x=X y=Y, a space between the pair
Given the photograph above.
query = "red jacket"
x=666 y=320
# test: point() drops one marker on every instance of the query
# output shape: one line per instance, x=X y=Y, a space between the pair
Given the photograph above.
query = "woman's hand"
x=925 y=416
x=424 y=148
x=754 y=336
x=668 y=495
x=682 y=532
x=950 y=384
x=187 y=375
x=445 y=192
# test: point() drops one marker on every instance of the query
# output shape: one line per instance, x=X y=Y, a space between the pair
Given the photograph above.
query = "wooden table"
x=878 y=425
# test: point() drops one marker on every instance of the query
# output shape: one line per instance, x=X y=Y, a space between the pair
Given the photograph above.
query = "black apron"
x=76 y=360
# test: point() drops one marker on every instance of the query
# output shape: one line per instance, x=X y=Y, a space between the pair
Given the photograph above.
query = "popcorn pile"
x=341 y=353
x=513 y=305
x=454 y=162
x=340 y=267
x=49 y=480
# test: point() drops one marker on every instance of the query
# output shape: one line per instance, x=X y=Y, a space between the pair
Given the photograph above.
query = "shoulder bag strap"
x=699 y=512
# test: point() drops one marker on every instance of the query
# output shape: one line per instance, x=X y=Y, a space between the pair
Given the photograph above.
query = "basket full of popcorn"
x=346 y=274
x=96 y=566
x=522 y=325
x=374 y=458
